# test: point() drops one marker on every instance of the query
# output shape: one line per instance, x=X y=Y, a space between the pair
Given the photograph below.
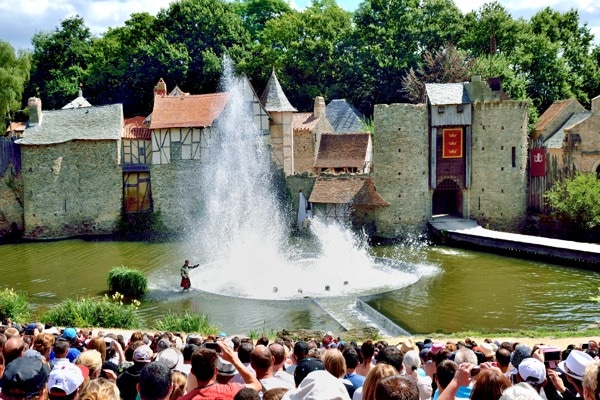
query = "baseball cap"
x=67 y=378
x=300 y=347
x=532 y=371
x=305 y=367
x=69 y=333
x=24 y=377
x=143 y=354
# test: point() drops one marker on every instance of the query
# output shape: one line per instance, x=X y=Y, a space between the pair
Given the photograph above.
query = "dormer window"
x=460 y=108
x=441 y=109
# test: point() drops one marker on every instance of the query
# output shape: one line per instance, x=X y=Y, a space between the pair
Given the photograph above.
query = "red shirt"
x=215 y=391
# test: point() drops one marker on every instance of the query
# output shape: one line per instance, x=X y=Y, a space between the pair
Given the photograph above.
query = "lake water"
x=455 y=290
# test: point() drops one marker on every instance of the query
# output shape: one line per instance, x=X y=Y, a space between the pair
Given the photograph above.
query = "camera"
x=475 y=370
x=551 y=356
x=213 y=346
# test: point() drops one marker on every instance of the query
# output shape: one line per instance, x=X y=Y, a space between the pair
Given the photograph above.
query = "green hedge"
x=13 y=305
x=87 y=312
x=186 y=322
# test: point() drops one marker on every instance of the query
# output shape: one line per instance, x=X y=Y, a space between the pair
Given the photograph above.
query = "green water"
x=465 y=290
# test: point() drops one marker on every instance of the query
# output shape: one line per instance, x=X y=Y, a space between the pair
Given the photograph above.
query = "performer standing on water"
x=185 y=277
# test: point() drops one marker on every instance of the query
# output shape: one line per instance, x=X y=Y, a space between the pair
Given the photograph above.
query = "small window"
x=460 y=108
x=514 y=157
x=175 y=150
x=441 y=109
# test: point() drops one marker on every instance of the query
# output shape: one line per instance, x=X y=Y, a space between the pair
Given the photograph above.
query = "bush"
x=13 y=305
x=106 y=313
x=577 y=199
x=186 y=322
x=129 y=282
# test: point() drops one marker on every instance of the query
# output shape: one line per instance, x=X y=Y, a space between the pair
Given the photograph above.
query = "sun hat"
x=575 y=364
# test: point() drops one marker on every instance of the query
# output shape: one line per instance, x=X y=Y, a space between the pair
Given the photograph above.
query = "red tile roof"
x=304 y=121
x=135 y=129
x=342 y=150
x=342 y=190
x=187 y=111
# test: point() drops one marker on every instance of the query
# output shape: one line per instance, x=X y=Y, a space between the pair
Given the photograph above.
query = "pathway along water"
x=463 y=289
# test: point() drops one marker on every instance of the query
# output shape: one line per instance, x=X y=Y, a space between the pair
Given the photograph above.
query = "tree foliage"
x=14 y=73
x=577 y=199
x=367 y=57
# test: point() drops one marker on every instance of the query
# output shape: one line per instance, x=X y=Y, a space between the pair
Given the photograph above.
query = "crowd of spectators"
x=44 y=363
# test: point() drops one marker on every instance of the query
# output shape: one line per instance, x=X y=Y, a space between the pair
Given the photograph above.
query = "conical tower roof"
x=273 y=98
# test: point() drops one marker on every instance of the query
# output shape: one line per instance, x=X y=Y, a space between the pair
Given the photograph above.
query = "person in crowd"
x=412 y=362
x=43 y=343
x=247 y=394
x=520 y=391
x=99 y=344
x=128 y=379
x=60 y=351
x=352 y=361
x=367 y=350
x=70 y=334
x=279 y=356
x=444 y=374
x=274 y=394
x=204 y=369
x=317 y=384
x=155 y=382
x=569 y=382
x=520 y=352
x=300 y=353
x=13 y=349
x=179 y=380
x=261 y=361
x=25 y=379
x=489 y=385
x=465 y=355
x=99 y=389
x=65 y=381
x=243 y=353
x=335 y=364
x=391 y=355
x=378 y=372
x=591 y=377
x=396 y=387
x=93 y=361
x=532 y=371
x=186 y=283
x=503 y=360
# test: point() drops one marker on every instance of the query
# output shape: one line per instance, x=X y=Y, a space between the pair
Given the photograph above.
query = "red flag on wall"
x=537 y=162
x=453 y=143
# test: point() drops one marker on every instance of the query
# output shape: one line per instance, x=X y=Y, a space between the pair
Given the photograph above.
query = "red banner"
x=537 y=162
x=452 y=143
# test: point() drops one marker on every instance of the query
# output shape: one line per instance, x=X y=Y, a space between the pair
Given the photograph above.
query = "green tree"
x=577 y=199
x=14 y=73
x=446 y=65
x=59 y=62
x=306 y=49
x=440 y=23
x=256 y=13
x=208 y=29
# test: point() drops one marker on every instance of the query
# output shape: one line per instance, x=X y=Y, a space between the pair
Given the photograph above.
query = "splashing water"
x=243 y=236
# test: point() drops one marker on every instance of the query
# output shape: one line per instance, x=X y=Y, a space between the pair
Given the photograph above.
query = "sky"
x=20 y=20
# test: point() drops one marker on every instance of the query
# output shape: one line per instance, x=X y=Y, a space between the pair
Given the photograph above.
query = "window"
x=441 y=109
x=460 y=108
x=175 y=150
x=514 y=157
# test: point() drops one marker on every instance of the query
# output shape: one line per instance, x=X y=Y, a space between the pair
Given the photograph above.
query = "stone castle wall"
x=401 y=168
x=11 y=203
x=71 y=189
x=498 y=194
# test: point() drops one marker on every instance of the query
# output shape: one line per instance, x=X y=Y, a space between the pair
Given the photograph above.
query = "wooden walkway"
x=467 y=233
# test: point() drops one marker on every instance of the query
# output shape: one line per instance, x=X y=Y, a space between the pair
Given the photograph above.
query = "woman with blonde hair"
x=335 y=364
x=378 y=372
x=179 y=383
x=99 y=389
x=92 y=360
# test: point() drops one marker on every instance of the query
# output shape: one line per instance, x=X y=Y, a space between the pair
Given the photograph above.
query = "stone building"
x=463 y=153
x=71 y=175
x=569 y=133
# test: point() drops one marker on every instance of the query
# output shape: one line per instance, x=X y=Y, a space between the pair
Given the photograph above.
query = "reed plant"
x=186 y=322
x=127 y=281
x=107 y=312
x=13 y=305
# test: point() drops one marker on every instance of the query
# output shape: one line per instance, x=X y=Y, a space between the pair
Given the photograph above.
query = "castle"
x=464 y=152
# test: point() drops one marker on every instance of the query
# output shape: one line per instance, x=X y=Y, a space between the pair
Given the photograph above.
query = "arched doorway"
x=447 y=199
